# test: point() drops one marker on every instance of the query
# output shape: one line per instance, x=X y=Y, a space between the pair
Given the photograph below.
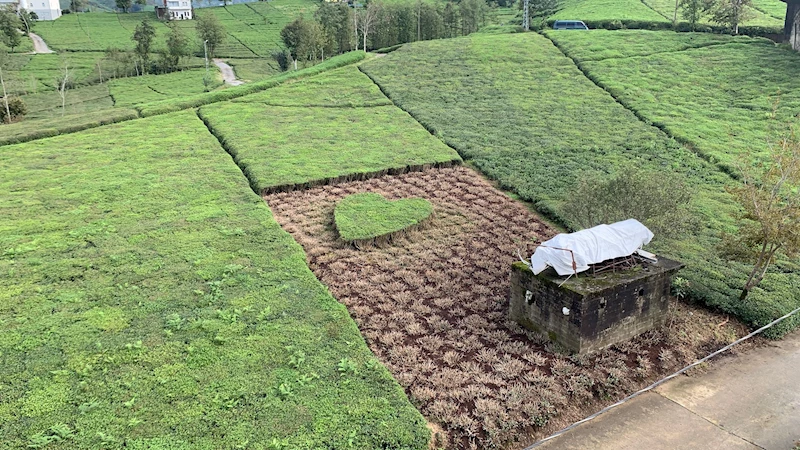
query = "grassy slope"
x=757 y=16
x=526 y=116
x=148 y=299
x=282 y=146
x=152 y=88
x=602 y=10
x=715 y=98
x=253 y=29
x=342 y=87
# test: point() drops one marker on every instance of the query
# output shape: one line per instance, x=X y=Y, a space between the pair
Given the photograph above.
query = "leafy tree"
x=10 y=25
x=451 y=19
x=210 y=30
x=658 y=200
x=305 y=39
x=143 y=35
x=730 y=13
x=473 y=15
x=538 y=8
x=770 y=221
x=338 y=26
x=177 y=47
x=78 y=5
x=124 y=5
x=14 y=108
x=28 y=19
x=694 y=10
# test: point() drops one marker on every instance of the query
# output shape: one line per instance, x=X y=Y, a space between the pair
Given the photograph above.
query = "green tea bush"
x=166 y=106
x=16 y=109
x=532 y=121
x=148 y=297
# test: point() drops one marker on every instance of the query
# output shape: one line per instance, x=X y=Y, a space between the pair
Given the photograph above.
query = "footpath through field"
x=39 y=46
x=227 y=73
x=748 y=402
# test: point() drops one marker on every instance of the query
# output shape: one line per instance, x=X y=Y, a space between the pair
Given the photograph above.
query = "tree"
x=538 y=8
x=63 y=82
x=657 y=199
x=78 y=5
x=124 y=5
x=210 y=30
x=177 y=47
x=731 y=13
x=28 y=19
x=335 y=21
x=143 y=35
x=14 y=109
x=451 y=18
x=366 y=22
x=473 y=15
x=770 y=219
x=694 y=10
x=3 y=64
x=305 y=39
x=10 y=25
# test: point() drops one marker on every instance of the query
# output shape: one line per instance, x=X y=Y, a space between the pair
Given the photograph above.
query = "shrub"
x=16 y=108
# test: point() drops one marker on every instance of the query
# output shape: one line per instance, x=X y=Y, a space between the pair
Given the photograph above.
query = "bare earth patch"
x=433 y=307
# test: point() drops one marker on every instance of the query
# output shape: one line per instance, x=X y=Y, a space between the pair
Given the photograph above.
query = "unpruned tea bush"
x=16 y=109
x=527 y=117
x=147 y=296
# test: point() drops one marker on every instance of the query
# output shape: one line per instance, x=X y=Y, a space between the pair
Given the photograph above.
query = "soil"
x=433 y=308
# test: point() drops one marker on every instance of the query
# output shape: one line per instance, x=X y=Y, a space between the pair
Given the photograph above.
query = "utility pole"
x=526 y=20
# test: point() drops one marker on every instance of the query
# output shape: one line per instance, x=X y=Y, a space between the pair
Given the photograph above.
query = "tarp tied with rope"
x=572 y=253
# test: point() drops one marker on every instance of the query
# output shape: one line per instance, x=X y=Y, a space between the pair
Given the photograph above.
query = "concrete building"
x=44 y=9
x=175 y=10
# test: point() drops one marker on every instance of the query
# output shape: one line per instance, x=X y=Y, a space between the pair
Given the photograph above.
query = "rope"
x=663 y=380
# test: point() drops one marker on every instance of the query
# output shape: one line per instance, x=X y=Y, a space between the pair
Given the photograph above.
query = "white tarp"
x=590 y=246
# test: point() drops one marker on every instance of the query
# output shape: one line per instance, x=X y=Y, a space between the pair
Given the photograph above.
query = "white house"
x=178 y=9
x=44 y=9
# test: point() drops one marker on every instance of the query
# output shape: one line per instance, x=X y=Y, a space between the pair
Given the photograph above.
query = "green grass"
x=521 y=112
x=152 y=88
x=253 y=69
x=369 y=215
x=757 y=16
x=53 y=124
x=596 y=11
x=82 y=100
x=596 y=45
x=148 y=299
x=253 y=30
x=342 y=87
x=715 y=98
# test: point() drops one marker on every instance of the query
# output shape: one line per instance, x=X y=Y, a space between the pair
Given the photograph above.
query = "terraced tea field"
x=316 y=136
x=148 y=299
x=478 y=95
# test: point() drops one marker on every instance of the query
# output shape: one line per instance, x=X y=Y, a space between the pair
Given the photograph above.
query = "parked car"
x=569 y=25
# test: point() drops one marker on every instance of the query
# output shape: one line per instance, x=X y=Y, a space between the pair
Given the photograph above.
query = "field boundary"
x=689 y=145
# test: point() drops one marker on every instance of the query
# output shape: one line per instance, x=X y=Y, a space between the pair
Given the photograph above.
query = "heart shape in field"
x=366 y=216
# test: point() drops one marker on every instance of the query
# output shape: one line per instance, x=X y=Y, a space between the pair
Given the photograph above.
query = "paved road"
x=748 y=402
x=227 y=73
x=39 y=46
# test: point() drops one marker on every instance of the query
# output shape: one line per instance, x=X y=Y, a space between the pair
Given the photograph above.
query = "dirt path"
x=227 y=73
x=39 y=46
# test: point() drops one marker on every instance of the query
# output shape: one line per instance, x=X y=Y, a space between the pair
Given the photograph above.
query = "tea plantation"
x=526 y=116
x=149 y=300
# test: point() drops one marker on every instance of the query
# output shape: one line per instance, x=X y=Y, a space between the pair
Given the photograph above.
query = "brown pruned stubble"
x=433 y=307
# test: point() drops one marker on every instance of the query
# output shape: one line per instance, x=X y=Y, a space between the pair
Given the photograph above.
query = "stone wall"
x=600 y=310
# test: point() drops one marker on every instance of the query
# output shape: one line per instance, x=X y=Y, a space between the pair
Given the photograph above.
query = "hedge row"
x=617 y=24
x=194 y=101
x=25 y=131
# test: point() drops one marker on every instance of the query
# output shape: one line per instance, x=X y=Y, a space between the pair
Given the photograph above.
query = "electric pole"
x=526 y=20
